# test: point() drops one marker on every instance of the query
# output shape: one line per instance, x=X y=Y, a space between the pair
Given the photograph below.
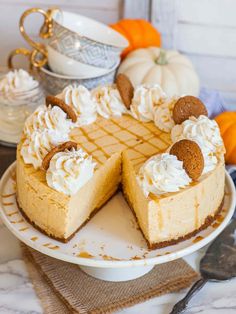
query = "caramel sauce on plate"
x=34 y=238
x=13 y=213
x=109 y=258
x=8 y=195
x=197 y=239
x=135 y=258
x=8 y=204
x=84 y=255
x=24 y=229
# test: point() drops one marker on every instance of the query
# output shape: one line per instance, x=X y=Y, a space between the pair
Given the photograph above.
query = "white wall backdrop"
x=205 y=30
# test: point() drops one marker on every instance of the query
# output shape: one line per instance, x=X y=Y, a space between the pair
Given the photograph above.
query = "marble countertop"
x=17 y=294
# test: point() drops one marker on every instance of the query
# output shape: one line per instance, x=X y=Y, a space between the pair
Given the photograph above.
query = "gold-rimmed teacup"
x=77 y=37
x=54 y=83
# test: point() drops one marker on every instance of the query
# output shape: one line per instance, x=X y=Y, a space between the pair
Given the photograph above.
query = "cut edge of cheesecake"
x=152 y=246
x=174 y=217
x=64 y=240
x=64 y=223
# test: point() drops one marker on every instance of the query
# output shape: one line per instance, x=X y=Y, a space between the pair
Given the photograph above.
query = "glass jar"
x=14 y=109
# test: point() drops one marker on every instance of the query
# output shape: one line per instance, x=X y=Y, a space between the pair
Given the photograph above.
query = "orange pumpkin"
x=140 y=34
x=227 y=125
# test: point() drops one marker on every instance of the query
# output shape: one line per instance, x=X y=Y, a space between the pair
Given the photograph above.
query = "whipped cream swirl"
x=146 y=99
x=80 y=98
x=206 y=134
x=20 y=94
x=109 y=102
x=69 y=171
x=17 y=81
x=161 y=174
x=39 y=143
x=163 y=117
x=52 y=118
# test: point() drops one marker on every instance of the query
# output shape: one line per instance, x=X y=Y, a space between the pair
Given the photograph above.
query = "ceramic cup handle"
x=18 y=51
x=36 y=58
x=39 y=54
x=45 y=31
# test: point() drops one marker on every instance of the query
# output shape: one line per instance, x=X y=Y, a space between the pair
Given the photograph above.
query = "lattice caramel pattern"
x=105 y=137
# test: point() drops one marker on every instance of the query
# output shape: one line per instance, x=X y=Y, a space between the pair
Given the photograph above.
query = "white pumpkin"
x=168 y=68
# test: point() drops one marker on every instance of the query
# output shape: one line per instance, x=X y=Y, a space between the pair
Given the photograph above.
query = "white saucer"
x=8 y=143
x=110 y=246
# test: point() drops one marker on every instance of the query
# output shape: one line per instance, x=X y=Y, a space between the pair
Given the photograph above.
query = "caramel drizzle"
x=55 y=247
x=93 y=142
x=17 y=222
x=109 y=258
x=8 y=204
x=46 y=244
x=12 y=213
x=135 y=258
x=196 y=213
x=137 y=136
x=51 y=246
x=84 y=254
x=216 y=224
x=197 y=239
x=13 y=175
x=24 y=229
x=120 y=141
x=151 y=135
x=8 y=195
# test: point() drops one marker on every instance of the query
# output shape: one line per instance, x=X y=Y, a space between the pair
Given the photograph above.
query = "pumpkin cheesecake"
x=67 y=170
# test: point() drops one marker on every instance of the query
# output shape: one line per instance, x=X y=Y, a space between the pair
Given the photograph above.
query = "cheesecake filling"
x=161 y=174
x=69 y=171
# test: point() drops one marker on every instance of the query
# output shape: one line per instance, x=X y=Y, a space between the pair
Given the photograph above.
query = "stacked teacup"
x=77 y=50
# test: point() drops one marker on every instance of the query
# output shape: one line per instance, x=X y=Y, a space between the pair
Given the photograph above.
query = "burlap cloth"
x=64 y=288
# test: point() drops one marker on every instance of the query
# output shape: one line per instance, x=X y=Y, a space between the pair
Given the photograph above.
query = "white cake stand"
x=110 y=247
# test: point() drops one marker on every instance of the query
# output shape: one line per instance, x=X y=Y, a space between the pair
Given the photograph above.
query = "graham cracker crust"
x=152 y=246
x=64 y=240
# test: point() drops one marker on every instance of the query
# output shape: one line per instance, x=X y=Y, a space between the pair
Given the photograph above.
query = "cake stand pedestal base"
x=117 y=274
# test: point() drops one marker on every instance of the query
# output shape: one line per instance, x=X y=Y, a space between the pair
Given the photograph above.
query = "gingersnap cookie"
x=125 y=89
x=60 y=148
x=54 y=101
x=190 y=153
x=186 y=107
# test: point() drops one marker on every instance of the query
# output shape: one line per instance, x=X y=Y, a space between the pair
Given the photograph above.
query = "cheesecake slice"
x=170 y=218
x=119 y=146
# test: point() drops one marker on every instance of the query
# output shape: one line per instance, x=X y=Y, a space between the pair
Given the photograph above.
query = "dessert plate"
x=110 y=246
